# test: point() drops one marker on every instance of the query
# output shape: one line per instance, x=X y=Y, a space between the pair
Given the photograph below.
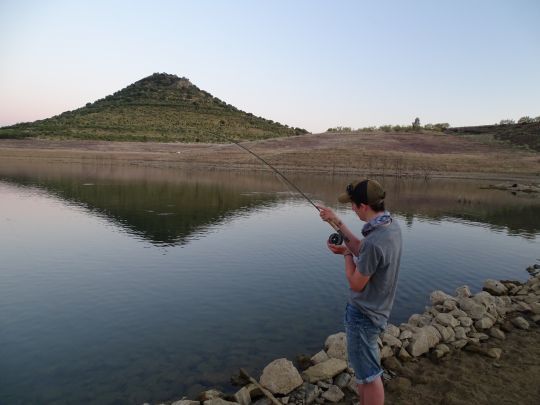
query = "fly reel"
x=336 y=238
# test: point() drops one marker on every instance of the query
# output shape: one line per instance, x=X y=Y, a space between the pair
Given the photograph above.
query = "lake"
x=126 y=284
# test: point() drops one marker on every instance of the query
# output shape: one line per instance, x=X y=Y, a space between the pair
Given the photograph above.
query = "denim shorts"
x=362 y=347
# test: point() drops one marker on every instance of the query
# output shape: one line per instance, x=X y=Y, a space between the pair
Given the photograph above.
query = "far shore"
x=424 y=155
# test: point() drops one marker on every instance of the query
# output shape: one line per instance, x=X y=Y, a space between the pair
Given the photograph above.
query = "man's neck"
x=372 y=214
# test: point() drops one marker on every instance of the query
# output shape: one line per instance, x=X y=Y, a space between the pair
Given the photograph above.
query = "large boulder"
x=280 y=377
x=447 y=320
x=423 y=340
x=392 y=330
x=463 y=292
x=472 y=308
x=322 y=371
x=495 y=287
x=390 y=340
x=336 y=346
x=438 y=297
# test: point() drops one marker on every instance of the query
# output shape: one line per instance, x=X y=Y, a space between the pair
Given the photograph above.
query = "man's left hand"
x=337 y=249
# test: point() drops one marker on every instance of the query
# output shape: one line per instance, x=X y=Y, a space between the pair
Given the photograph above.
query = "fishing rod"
x=335 y=238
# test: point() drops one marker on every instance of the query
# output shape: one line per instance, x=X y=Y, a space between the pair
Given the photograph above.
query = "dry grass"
x=399 y=154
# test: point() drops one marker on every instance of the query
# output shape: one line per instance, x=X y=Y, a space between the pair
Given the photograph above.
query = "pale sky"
x=311 y=64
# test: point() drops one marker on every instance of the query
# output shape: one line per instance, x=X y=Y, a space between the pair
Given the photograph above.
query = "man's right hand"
x=328 y=215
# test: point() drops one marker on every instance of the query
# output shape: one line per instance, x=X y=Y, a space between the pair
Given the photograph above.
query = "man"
x=371 y=268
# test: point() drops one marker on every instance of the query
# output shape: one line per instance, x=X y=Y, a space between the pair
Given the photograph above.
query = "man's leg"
x=371 y=393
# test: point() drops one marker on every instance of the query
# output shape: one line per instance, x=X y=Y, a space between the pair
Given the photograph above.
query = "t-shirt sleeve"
x=368 y=259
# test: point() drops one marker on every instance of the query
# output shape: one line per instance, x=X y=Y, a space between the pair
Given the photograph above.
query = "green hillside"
x=160 y=107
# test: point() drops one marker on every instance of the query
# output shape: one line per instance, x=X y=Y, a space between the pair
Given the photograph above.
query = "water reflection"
x=166 y=207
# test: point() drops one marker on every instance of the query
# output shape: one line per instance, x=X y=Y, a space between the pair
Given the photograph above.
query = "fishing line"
x=336 y=238
x=273 y=168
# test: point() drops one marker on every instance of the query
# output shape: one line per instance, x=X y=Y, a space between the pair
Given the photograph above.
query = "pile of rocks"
x=450 y=323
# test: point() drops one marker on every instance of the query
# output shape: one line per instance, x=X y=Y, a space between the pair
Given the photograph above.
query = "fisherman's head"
x=365 y=196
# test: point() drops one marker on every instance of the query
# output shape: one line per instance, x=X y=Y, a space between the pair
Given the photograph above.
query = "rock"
x=324 y=384
x=497 y=333
x=419 y=320
x=495 y=287
x=463 y=292
x=523 y=307
x=399 y=384
x=446 y=332
x=319 y=357
x=465 y=321
x=390 y=340
x=438 y=297
x=336 y=346
x=353 y=386
x=442 y=347
x=459 y=344
x=404 y=355
x=334 y=394
x=342 y=380
x=507 y=326
x=263 y=401
x=327 y=369
x=460 y=333
x=447 y=320
x=484 y=323
x=188 y=402
x=406 y=334
x=484 y=298
x=284 y=400
x=480 y=336
x=386 y=351
x=535 y=318
x=312 y=392
x=423 y=340
x=449 y=305
x=392 y=330
x=210 y=394
x=472 y=308
x=494 y=353
x=218 y=401
x=409 y=327
x=244 y=395
x=280 y=377
x=520 y=322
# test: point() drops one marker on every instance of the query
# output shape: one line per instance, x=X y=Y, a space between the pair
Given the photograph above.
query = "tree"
x=525 y=120
x=507 y=122
x=416 y=123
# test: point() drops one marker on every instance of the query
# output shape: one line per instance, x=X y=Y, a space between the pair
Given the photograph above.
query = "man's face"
x=359 y=210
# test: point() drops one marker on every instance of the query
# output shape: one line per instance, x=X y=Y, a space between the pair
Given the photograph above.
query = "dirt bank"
x=471 y=378
x=400 y=154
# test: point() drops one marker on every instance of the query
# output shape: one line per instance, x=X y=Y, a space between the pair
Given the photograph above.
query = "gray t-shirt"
x=379 y=258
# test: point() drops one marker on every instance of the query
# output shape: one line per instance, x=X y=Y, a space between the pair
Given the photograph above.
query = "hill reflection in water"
x=167 y=207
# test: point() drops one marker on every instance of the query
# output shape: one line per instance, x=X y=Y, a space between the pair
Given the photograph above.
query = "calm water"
x=125 y=285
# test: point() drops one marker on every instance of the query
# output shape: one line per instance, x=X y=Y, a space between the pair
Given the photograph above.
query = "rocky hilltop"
x=160 y=107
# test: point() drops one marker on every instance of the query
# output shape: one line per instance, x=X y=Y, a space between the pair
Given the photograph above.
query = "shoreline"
x=302 y=155
x=482 y=348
